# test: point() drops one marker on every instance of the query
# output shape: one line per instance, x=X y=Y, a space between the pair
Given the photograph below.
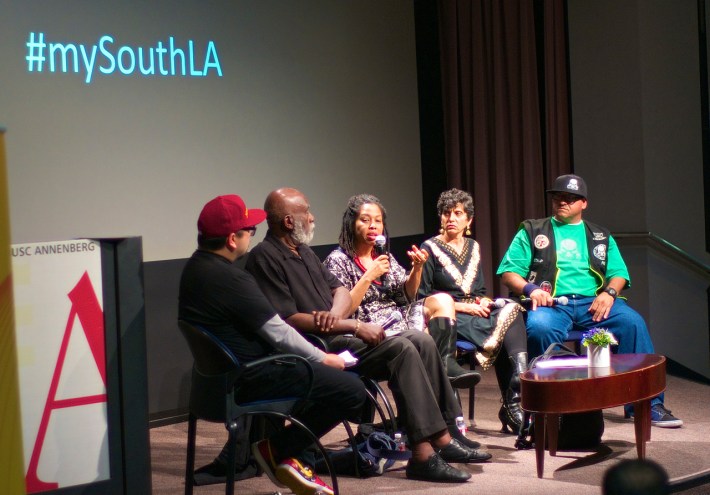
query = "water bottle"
x=461 y=425
x=398 y=441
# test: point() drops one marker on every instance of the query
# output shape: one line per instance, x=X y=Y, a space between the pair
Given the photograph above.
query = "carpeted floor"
x=683 y=452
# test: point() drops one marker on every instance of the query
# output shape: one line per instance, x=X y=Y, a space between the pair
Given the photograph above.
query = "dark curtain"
x=505 y=111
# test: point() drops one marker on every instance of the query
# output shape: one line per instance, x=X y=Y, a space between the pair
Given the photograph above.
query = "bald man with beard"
x=311 y=299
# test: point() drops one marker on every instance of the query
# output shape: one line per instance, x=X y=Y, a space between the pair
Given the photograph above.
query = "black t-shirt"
x=291 y=283
x=226 y=300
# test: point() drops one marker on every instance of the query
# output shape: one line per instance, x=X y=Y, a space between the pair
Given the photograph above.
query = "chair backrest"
x=213 y=372
x=211 y=356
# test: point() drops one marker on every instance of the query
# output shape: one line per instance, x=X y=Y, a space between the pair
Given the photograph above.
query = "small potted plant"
x=597 y=342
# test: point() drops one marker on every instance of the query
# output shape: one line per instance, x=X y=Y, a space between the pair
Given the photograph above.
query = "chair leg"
x=472 y=394
x=471 y=404
x=190 y=462
x=232 y=428
x=386 y=402
x=380 y=412
x=353 y=445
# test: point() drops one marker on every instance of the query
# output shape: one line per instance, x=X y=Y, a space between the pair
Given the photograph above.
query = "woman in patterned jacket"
x=379 y=286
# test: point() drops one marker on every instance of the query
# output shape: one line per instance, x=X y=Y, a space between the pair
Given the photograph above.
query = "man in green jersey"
x=564 y=255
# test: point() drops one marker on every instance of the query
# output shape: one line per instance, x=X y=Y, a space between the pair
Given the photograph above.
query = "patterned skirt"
x=487 y=333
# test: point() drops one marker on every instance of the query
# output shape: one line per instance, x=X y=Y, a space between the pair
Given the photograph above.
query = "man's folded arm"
x=304 y=322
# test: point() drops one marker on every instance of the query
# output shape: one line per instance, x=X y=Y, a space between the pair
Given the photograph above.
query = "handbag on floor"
x=373 y=456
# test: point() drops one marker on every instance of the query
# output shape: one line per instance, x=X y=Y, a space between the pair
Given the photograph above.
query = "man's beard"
x=302 y=236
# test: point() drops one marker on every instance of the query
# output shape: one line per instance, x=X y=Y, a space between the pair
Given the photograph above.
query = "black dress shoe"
x=466 y=380
x=463 y=440
x=435 y=469
x=455 y=452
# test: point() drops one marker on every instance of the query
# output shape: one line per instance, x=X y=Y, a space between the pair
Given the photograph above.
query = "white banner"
x=62 y=362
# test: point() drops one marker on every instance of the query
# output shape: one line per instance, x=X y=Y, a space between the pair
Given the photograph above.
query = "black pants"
x=411 y=364
x=336 y=396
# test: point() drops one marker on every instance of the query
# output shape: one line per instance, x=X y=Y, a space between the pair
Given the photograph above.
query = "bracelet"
x=527 y=290
x=357 y=327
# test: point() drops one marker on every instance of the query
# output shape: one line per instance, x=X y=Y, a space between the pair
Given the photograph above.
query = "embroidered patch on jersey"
x=541 y=241
x=600 y=252
x=598 y=236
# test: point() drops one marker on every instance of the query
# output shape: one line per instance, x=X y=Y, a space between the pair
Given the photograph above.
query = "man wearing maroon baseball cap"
x=223 y=298
x=225 y=215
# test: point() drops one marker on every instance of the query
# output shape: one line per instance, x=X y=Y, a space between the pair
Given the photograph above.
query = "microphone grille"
x=380 y=240
x=562 y=300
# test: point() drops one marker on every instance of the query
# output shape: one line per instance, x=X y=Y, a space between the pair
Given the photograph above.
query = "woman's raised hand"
x=417 y=256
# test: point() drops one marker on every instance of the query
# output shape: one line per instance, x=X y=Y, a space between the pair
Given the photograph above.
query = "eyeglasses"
x=569 y=199
x=251 y=230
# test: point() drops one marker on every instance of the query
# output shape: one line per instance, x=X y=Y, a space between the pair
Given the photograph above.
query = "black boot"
x=443 y=331
x=510 y=414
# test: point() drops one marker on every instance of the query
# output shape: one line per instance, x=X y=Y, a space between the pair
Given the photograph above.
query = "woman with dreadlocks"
x=380 y=286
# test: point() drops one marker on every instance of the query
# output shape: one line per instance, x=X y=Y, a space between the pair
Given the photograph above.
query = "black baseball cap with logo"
x=571 y=184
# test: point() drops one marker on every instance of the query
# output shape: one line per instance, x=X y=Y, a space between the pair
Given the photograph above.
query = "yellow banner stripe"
x=12 y=470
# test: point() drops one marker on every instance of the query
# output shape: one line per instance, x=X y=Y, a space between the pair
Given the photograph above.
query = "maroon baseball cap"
x=225 y=215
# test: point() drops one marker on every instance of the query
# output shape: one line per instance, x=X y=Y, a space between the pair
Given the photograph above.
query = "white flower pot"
x=597 y=372
x=598 y=356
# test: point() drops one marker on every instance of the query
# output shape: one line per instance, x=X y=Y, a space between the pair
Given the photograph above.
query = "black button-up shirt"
x=293 y=284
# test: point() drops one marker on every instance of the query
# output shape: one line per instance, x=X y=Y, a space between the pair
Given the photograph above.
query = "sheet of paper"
x=349 y=359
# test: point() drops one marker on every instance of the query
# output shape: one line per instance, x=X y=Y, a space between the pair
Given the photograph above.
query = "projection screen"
x=124 y=118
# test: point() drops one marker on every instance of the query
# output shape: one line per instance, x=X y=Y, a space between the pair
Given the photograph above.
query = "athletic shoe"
x=265 y=458
x=301 y=479
x=661 y=417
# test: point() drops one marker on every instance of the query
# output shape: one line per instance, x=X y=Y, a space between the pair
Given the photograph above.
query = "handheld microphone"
x=380 y=249
x=561 y=301
x=394 y=317
x=380 y=245
x=498 y=303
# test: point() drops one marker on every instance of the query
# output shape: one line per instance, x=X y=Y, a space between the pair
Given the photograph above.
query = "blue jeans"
x=547 y=325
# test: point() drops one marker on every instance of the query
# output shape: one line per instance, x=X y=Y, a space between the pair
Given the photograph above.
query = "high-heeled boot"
x=511 y=414
x=443 y=331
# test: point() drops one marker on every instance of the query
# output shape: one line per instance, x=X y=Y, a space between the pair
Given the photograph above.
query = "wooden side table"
x=631 y=378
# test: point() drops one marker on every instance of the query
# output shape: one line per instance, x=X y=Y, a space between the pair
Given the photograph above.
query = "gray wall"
x=635 y=90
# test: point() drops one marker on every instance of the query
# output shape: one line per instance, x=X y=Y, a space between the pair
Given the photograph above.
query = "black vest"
x=543 y=266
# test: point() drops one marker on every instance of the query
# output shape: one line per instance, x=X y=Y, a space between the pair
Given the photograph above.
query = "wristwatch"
x=611 y=291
